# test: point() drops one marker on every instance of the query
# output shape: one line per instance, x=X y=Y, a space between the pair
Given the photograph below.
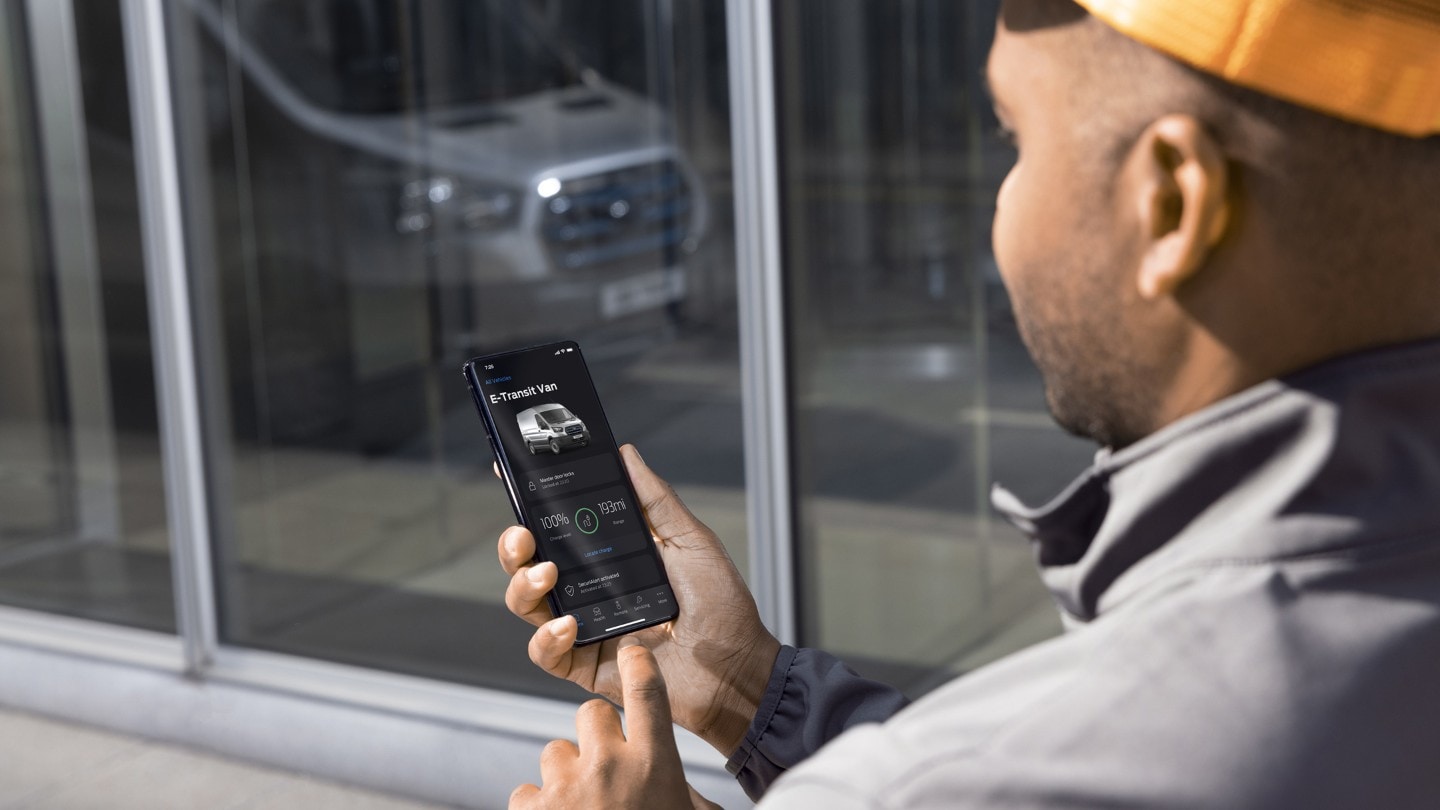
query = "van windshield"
x=383 y=56
x=557 y=415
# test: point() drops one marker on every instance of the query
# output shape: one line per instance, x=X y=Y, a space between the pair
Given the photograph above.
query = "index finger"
x=647 y=704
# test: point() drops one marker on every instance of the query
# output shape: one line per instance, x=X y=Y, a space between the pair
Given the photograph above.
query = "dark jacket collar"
x=1323 y=461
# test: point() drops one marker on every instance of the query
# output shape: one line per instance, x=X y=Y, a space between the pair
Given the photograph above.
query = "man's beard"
x=1094 y=385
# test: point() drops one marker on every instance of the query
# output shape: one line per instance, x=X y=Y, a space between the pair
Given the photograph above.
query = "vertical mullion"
x=762 y=313
x=61 y=118
x=168 y=290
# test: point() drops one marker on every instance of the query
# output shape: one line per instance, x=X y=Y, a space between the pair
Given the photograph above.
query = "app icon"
x=587 y=520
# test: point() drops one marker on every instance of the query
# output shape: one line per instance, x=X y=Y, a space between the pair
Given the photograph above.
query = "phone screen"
x=568 y=486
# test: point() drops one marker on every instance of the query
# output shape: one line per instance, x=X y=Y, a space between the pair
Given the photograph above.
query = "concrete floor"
x=50 y=764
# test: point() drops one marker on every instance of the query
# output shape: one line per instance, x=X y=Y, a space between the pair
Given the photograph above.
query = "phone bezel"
x=517 y=504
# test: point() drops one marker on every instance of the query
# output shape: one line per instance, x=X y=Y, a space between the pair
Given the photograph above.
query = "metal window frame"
x=762 y=326
x=182 y=445
x=89 y=638
x=760 y=282
x=61 y=119
x=763 y=357
x=172 y=334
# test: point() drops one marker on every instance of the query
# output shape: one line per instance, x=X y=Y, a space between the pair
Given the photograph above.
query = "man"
x=1222 y=243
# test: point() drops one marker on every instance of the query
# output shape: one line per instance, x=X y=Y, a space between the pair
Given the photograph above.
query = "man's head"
x=1169 y=238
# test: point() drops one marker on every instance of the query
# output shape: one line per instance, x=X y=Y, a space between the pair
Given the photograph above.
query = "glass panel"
x=385 y=188
x=82 y=511
x=912 y=390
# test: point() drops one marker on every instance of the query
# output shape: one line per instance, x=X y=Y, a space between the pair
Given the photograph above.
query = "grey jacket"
x=1253 y=603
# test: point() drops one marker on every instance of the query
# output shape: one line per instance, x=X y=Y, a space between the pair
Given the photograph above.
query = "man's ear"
x=1184 y=210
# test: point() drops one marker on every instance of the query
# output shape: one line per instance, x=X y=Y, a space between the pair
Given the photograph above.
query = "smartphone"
x=568 y=486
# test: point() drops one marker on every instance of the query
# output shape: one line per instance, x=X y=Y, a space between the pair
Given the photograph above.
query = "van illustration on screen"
x=551 y=427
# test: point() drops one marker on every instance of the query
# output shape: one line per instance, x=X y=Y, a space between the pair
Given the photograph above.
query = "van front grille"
x=604 y=219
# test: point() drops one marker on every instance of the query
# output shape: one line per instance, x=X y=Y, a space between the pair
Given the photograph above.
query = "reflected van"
x=496 y=191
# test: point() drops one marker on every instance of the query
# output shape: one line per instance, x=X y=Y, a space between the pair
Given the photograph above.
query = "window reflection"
x=82 y=510
x=388 y=188
x=353 y=57
x=912 y=390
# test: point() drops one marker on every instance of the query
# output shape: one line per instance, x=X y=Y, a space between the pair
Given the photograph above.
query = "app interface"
x=576 y=496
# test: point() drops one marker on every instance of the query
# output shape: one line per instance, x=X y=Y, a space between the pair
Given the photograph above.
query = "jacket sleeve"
x=812 y=698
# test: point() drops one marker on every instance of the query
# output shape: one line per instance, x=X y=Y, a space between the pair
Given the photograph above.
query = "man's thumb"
x=668 y=516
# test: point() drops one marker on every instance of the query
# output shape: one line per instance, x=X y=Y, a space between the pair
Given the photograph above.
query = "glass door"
x=82 y=519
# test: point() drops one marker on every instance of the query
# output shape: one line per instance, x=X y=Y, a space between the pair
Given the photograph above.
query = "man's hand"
x=610 y=768
x=716 y=655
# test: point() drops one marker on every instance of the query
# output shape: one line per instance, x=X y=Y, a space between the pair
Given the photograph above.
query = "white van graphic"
x=551 y=427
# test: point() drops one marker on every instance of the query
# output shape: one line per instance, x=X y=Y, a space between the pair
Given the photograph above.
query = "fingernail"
x=629 y=641
x=636 y=451
x=557 y=627
x=533 y=573
x=509 y=542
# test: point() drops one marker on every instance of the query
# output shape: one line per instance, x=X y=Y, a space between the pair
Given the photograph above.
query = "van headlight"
x=471 y=206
